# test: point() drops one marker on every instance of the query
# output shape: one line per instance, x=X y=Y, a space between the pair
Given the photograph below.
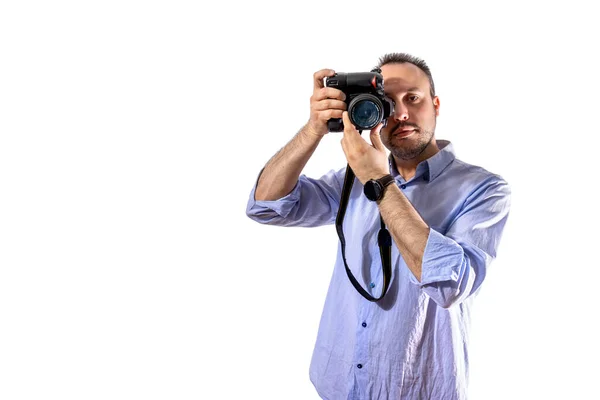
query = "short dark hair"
x=400 y=58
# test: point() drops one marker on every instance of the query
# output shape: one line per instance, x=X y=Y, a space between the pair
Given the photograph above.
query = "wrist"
x=384 y=194
x=374 y=189
x=378 y=175
x=309 y=131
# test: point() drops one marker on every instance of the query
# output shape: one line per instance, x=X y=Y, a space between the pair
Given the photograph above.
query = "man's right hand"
x=325 y=103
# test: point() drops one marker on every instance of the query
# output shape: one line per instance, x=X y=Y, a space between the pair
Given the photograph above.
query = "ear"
x=436 y=105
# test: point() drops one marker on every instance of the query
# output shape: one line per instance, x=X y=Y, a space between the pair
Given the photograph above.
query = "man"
x=445 y=217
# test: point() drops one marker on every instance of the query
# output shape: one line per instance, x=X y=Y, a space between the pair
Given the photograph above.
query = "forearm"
x=281 y=173
x=407 y=228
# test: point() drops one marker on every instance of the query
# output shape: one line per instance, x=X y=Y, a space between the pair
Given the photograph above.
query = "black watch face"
x=372 y=190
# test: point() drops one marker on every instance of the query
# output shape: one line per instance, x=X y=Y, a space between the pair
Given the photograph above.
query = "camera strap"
x=384 y=240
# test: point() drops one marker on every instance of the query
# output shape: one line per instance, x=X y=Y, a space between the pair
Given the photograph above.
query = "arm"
x=450 y=267
x=281 y=173
x=281 y=196
x=409 y=231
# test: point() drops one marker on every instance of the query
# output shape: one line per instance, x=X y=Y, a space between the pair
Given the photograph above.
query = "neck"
x=408 y=168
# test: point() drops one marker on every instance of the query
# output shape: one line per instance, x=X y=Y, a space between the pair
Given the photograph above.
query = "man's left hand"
x=366 y=160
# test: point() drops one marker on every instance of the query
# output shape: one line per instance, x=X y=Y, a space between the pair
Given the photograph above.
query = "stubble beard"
x=409 y=153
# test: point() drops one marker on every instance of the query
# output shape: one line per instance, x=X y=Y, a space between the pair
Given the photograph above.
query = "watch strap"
x=386 y=180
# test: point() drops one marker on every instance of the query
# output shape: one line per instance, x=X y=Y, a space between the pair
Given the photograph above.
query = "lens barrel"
x=365 y=111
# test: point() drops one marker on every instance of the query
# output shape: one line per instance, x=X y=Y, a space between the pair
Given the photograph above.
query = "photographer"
x=445 y=218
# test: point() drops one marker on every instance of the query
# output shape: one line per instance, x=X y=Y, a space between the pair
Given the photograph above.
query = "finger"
x=329 y=114
x=320 y=75
x=343 y=143
x=349 y=129
x=329 y=93
x=329 y=104
x=376 y=138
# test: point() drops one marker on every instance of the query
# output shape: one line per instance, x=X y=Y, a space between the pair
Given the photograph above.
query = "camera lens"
x=365 y=111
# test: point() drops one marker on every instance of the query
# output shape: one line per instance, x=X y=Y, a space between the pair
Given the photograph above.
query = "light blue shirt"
x=412 y=344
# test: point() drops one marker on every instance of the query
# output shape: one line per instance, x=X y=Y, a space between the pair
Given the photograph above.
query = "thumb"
x=376 y=138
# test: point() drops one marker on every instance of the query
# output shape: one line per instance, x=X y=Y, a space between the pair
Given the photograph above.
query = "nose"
x=400 y=112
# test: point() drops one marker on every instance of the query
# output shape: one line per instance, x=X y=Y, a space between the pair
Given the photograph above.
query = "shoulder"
x=478 y=179
x=474 y=172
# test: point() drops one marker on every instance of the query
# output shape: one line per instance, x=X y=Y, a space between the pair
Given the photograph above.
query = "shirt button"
x=364 y=324
x=359 y=366
x=372 y=284
x=402 y=186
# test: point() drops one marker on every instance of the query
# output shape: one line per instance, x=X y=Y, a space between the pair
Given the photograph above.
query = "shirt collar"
x=433 y=166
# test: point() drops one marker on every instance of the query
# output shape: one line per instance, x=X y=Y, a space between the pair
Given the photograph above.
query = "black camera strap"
x=384 y=240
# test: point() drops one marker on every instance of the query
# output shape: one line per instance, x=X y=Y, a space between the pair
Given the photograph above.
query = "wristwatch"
x=374 y=188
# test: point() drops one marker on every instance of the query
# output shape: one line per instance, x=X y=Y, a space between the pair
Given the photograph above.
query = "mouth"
x=403 y=132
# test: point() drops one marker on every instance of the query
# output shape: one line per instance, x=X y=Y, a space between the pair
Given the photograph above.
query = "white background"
x=132 y=133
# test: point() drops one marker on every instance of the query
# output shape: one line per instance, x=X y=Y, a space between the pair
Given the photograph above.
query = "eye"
x=413 y=98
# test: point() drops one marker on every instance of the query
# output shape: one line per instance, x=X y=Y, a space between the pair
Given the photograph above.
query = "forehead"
x=398 y=77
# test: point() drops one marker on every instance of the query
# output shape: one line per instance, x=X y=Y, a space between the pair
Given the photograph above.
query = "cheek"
x=427 y=115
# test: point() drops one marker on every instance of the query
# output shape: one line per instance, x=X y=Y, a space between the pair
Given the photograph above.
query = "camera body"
x=366 y=102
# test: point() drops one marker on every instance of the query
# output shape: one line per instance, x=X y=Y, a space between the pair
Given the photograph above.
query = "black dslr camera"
x=366 y=102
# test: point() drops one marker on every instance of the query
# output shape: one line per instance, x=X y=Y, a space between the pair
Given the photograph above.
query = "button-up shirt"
x=412 y=344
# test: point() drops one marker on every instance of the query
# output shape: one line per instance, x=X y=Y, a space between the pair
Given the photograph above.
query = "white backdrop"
x=132 y=133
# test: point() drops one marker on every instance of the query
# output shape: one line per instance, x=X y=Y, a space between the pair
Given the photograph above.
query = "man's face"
x=411 y=128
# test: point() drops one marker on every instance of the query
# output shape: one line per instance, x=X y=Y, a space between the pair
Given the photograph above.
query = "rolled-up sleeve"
x=455 y=264
x=312 y=202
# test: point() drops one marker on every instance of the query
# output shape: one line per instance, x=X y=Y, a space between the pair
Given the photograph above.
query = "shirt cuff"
x=442 y=260
x=282 y=206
